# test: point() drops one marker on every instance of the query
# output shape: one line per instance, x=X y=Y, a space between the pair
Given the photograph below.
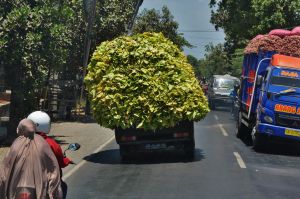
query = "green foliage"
x=272 y=14
x=37 y=38
x=216 y=61
x=196 y=65
x=156 y=21
x=243 y=19
x=236 y=18
x=112 y=18
x=34 y=40
x=143 y=81
x=237 y=62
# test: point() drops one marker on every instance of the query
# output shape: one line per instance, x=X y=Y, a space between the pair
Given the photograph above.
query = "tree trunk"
x=16 y=111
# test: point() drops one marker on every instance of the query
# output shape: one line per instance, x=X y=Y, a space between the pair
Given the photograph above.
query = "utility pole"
x=131 y=22
x=90 y=10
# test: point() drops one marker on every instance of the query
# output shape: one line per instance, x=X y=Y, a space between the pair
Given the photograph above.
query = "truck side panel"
x=250 y=66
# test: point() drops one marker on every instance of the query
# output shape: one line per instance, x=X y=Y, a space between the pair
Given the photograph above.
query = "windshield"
x=224 y=83
x=285 y=78
x=285 y=81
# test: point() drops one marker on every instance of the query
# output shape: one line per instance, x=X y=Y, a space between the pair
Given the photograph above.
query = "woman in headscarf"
x=30 y=169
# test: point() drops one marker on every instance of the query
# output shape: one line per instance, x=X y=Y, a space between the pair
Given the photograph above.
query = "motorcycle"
x=29 y=193
x=71 y=147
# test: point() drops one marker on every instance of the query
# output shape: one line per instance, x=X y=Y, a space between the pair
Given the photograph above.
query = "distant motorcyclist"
x=43 y=125
x=233 y=96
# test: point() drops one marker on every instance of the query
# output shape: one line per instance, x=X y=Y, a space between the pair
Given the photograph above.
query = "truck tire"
x=124 y=153
x=190 y=149
x=259 y=141
x=241 y=129
x=212 y=105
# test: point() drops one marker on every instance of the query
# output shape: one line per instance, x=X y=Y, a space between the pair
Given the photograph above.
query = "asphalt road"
x=224 y=167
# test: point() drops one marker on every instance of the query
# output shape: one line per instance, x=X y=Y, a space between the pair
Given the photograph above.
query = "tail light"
x=181 y=135
x=126 y=138
x=24 y=195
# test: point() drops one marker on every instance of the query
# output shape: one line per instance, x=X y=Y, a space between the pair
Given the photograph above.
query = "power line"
x=199 y=31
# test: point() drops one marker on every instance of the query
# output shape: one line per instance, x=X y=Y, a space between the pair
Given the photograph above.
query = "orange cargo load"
x=285 y=61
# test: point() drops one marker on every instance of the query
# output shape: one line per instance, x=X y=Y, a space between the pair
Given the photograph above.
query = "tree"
x=272 y=14
x=237 y=62
x=215 y=62
x=160 y=21
x=196 y=65
x=112 y=19
x=243 y=19
x=34 y=39
x=40 y=38
x=236 y=17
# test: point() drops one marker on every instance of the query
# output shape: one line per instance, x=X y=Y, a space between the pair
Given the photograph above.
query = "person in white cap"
x=29 y=166
x=43 y=125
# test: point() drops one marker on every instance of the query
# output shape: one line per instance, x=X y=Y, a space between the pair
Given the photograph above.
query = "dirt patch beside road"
x=89 y=135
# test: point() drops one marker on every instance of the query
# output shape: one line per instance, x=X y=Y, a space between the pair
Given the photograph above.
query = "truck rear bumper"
x=279 y=131
x=161 y=145
x=226 y=100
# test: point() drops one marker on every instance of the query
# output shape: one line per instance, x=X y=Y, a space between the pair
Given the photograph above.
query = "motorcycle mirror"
x=74 y=147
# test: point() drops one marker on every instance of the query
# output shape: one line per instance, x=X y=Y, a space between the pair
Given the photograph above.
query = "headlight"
x=268 y=119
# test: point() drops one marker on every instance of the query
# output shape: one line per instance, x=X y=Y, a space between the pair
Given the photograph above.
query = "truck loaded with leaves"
x=144 y=87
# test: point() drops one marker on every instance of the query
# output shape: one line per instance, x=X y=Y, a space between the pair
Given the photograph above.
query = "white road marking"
x=224 y=132
x=216 y=117
x=239 y=160
x=79 y=165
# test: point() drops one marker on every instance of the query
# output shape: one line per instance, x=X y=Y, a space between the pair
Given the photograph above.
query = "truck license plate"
x=292 y=132
x=155 y=146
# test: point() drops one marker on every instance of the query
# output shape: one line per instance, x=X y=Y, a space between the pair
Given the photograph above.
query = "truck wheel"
x=241 y=129
x=190 y=150
x=212 y=105
x=259 y=141
x=124 y=153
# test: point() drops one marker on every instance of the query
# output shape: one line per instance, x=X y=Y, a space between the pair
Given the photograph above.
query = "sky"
x=193 y=17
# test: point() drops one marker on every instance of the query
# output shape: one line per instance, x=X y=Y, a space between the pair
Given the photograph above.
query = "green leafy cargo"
x=143 y=81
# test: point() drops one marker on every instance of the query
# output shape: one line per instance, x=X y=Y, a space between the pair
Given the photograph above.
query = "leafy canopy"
x=196 y=65
x=39 y=38
x=215 y=62
x=243 y=19
x=143 y=81
x=160 y=21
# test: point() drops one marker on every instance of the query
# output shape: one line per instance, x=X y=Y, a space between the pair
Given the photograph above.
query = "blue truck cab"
x=269 y=98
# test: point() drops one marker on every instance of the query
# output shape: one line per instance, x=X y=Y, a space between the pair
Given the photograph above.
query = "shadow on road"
x=223 y=108
x=282 y=149
x=112 y=156
x=247 y=140
x=275 y=148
